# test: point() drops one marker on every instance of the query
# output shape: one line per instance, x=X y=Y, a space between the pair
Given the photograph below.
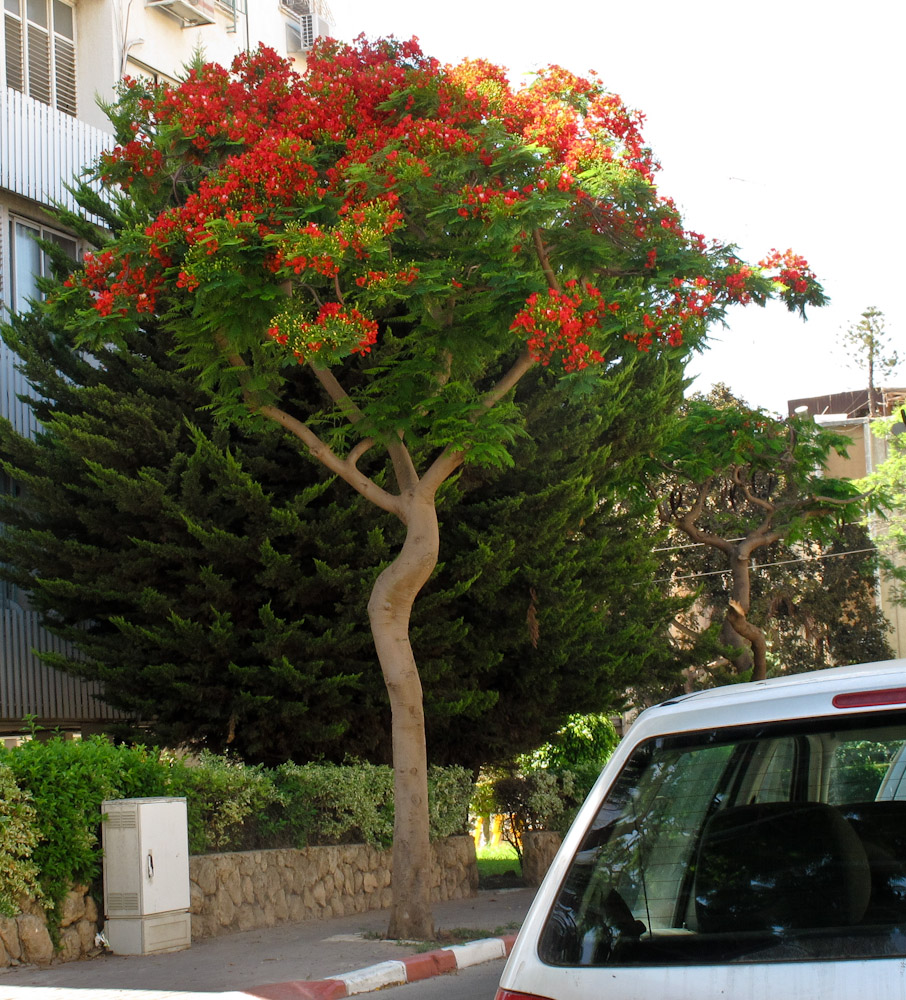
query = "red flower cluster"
x=792 y=270
x=560 y=324
x=332 y=333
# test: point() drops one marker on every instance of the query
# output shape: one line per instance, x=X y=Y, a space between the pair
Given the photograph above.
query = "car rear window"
x=780 y=842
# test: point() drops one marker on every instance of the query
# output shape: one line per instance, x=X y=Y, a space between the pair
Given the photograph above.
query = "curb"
x=376 y=977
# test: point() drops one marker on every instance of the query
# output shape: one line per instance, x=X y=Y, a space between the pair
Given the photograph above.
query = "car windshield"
x=779 y=842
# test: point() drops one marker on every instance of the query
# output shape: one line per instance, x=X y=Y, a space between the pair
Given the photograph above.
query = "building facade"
x=58 y=58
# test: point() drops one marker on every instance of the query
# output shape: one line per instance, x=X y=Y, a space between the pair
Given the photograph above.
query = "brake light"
x=867 y=699
x=512 y=995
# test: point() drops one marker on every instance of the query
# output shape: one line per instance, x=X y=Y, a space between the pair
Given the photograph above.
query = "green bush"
x=353 y=803
x=226 y=801
x=66 y=780
x=542 y=800
x=18 y=839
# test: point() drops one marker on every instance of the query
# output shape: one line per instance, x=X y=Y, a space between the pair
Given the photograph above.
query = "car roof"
x=805 y=695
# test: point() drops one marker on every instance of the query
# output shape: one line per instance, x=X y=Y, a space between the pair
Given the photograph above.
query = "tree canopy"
x=471 y=230
x=737 y=480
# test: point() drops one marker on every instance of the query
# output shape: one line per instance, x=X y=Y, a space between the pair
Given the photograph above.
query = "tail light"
x=513 y=995
x=869 y=699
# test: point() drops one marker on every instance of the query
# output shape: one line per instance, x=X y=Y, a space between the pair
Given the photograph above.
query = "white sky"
x=777 y=125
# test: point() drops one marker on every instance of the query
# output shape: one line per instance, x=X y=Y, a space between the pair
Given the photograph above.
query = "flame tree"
x=469 y=229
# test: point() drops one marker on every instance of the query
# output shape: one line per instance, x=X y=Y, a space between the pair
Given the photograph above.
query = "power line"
x=759 y=566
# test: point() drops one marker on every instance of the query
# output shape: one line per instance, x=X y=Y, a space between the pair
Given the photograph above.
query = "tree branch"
x=344 y=468
x=320 y=451
x=541 y=250
x=451 y=458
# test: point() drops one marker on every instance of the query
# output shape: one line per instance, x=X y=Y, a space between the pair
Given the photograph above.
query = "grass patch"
x=497 y=861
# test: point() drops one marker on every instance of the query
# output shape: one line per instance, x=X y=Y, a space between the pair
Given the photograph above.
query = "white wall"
x=116 y=37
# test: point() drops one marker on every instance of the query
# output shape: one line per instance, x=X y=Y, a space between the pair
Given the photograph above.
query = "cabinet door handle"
x=150 y=865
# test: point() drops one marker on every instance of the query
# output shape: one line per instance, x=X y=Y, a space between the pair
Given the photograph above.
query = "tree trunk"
x=389 y=609
x=737 y=621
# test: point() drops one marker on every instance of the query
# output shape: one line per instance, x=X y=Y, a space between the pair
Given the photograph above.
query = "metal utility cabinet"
x=146 y=875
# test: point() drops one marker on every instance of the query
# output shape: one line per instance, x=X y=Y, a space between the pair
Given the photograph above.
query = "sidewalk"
x=289 y=962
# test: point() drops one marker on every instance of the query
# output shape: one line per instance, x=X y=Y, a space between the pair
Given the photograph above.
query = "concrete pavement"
x=314 y=960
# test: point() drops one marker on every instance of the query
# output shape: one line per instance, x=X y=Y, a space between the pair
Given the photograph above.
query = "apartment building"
x=57 y=57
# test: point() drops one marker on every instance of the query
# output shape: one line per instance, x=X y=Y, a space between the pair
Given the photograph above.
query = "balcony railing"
x=41 y=148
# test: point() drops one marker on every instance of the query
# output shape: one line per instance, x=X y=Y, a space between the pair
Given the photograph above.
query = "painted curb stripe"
x=476 y=952
x=375 y=977
x=321 y=989
x=431 y=963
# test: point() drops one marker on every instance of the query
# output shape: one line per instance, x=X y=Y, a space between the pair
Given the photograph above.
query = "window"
x=30 y=262
x=40 y=51
x=780 y=842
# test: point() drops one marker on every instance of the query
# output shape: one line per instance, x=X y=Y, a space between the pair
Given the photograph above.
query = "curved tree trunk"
x=389 y=609
x=737 y=623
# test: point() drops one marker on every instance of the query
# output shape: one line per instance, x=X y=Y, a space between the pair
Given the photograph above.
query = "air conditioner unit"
x=301 y=35
x=190 y=12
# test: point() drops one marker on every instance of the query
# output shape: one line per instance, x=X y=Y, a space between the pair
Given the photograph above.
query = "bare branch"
x=337 y=394
x=450 y=458
x=740 y=480
x=344 y=468
x=541 y=249
x=359 y=449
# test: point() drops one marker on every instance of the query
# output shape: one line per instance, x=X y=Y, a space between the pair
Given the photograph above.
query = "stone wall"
x=538 y=850
x=252 y=889
x=241 y=891
x=24 y=939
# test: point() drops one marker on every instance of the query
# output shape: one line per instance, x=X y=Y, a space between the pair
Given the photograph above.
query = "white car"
x=743 y=843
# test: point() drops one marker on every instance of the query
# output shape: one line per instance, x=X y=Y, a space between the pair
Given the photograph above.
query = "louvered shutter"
x=65 y=75
x=64 y=58
x=15 y=68
x=38 y=40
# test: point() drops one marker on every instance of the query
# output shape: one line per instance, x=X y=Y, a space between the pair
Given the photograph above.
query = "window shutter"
x=39 y=63
x=15 y=77
x=65 y=75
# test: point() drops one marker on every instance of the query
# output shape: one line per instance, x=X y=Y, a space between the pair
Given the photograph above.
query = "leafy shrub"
x=542 y=800
x=52 y=790
x=18 y=839
x=225 y=801
x=449 y=793
x=353 y=803
x=67 y=780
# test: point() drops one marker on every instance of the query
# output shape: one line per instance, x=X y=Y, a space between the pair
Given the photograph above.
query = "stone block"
x=87 y=929
x=9 y=938
x=203 y=871
x=231 y=882
x=224 y=909
x=196 y=898
x=70 y=945
x=37 y=948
